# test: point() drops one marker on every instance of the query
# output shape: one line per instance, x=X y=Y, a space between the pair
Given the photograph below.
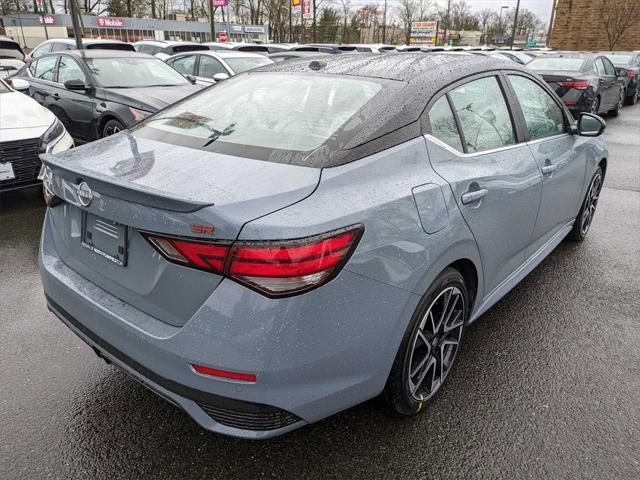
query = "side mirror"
x=191 y=79
x=77 y=84
x=218 y=77
x=20 y=85
x=590 y=125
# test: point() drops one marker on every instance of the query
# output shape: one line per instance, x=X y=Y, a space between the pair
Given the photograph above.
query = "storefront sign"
x=296 y=5
x=220 y=3
x=249 y=29
x=306 y=8
x=423 y=32
x=236 y=28
x=110 y=22
x=47 y=20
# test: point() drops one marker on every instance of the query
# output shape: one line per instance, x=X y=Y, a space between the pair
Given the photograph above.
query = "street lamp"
x=500 y=19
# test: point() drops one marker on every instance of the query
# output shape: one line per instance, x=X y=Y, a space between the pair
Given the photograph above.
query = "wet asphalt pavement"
x=547 y=384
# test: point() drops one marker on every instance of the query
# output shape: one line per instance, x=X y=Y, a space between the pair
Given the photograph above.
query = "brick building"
x=578 y=26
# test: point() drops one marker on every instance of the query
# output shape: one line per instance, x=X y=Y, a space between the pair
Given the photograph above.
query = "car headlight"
x=138 y=115
x=53 y=134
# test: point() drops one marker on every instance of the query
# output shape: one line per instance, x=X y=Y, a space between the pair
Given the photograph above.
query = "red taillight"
x=570 y=104
x=631 y=73
x=578 y=85
x=214 y=372
x=274 y=268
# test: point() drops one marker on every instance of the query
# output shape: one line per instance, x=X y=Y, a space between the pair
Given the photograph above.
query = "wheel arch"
x=468 y=270
x=603 y=165
x=105 y=118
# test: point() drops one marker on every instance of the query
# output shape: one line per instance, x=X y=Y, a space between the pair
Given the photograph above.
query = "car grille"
x=23 y=155
x=267 y=418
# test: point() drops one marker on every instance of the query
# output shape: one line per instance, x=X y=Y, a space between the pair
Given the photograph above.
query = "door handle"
x=474 y=196
x=549 y=168
x=56 y=96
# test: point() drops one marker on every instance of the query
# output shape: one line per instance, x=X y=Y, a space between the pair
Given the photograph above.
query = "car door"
x=208 y=67
x=477 y=147
x=616 y=82
x=553 y=147
x=73 y=107
x=42 y=79
x=606 y=86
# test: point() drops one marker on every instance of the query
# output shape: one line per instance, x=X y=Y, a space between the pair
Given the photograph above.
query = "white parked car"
x=27 y=129
x=163 y=49
x=209 y=67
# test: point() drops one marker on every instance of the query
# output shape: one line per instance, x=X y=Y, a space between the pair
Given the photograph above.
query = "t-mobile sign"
x=110 y=22
x=220 y=3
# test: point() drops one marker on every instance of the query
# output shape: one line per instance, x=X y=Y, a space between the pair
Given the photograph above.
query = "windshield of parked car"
x=556 y=63
x=134 y=72
x=242 y=64
x=283 y=111
x=619 y=60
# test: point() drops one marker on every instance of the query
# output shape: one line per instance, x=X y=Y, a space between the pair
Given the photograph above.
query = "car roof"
x=225 y=53
x=406 y=67
x=85 y=41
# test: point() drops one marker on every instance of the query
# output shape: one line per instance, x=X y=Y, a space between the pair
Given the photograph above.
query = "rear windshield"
x=556 y=63
x=272 y=111
x=111 y=46
x=188 y=48
x=619 y=60
x=5 y=45
x=242 y=64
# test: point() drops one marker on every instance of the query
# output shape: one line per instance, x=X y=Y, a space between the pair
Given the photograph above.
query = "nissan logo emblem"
x=85 y=195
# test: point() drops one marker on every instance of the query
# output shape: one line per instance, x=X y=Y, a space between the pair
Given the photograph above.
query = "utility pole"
x=290 y=21
x=77 y=33
x=551 y=20
x=515 y=24
x=212 y=21
x=24 y=41
x=384 y=23
x=446 y=23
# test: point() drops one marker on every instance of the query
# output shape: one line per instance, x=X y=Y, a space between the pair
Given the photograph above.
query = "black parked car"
x=630 y=61
x=586 y=82
x=96 y=93
x=60 y=44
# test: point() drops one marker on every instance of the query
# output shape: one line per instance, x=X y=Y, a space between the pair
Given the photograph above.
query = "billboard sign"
x=110 y=22
x=423 y=33
x=306 y=8
x=220 y=3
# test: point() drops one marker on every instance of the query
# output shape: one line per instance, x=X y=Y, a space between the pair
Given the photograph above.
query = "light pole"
x=500 y=20
x=515 y=24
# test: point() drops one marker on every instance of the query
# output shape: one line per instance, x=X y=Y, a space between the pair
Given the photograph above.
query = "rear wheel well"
x=468 y=270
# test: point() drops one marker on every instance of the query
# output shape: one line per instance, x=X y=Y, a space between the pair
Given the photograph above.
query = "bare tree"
x=346 y=10
x=486 y=18
x=616 y=17
x=407 y=14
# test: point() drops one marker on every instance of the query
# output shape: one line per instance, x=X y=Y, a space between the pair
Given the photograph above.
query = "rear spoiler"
x=65 y=183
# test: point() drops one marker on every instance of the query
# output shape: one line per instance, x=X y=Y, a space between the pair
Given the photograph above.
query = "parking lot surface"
x=547 y=384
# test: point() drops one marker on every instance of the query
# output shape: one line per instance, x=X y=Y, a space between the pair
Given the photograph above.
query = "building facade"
x=29 y=30
x=578 y=25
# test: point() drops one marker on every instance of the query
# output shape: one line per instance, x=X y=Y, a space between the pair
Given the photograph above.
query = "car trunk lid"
x=116 y=189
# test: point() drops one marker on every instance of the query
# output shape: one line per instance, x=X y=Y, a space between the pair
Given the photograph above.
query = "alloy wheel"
x=111 y=130
x=436 y=343
x=594 y=106
x=591 y=202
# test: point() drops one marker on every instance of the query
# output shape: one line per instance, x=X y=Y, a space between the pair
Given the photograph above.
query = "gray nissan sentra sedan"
x=301 y=238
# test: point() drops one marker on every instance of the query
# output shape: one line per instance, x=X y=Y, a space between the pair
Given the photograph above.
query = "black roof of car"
x=434 y=69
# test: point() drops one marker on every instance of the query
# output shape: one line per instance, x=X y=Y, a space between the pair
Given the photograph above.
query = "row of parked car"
x=110 y=85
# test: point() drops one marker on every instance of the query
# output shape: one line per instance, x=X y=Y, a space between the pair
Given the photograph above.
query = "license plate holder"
x=104 y=237
x=6 y=171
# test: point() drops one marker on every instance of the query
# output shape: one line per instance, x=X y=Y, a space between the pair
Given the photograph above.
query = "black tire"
x=632 y=100
x=400 y=391
x=616 y=110
x=111 y=127
x=580 y=229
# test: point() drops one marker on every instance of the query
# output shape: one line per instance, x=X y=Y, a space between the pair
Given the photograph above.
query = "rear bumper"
x=313 y=355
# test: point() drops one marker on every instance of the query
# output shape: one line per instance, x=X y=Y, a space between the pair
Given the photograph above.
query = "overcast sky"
x=542 y=8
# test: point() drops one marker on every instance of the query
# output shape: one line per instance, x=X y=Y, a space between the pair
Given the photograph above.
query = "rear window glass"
x=111 y=46
x=619 y=60
x=188 y=48
x=5 y=45
x=296 y=113
x=556 y=63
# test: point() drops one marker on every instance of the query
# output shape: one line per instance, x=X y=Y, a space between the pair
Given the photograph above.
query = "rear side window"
x=68 y=69
x=608 y=67
x=542 y=115
x=41 y=50
x=484 y=117
x=443 y=124
x=184 y=64
x=45 y=68
x=60 y=46
x=599 y=67
x=149 y=49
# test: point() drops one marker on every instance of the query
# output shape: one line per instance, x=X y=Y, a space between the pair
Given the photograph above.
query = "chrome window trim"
x=552 y=137
x=440 y=143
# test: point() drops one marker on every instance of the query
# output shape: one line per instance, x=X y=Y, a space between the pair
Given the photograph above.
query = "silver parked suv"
x=308 y=235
